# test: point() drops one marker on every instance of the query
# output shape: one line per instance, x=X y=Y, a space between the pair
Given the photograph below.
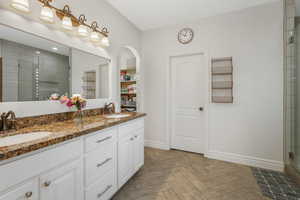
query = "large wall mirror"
x=34 y=69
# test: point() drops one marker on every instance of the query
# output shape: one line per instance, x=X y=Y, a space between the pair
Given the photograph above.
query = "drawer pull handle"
x=104 y=139
x=105 y=161
x=135 y=136
x=28 y=195
x=104 y=191
x=47 y=183
x=132 y=139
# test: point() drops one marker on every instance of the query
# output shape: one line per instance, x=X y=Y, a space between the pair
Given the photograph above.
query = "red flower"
x=69 y=103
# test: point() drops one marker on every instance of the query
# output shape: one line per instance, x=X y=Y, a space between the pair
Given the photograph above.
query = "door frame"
x=169 y=105
x=1 y=79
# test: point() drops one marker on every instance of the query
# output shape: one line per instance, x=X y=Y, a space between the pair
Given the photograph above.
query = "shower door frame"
x=1 y=80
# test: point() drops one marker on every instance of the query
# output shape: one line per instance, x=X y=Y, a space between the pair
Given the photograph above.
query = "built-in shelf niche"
x=222 y=80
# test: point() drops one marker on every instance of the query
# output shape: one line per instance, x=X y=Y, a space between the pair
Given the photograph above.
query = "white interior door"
x=189 y=78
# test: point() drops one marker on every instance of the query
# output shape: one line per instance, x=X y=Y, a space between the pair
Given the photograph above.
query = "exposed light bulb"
x=20 y=5
x=105 y=41
x=66 y=23
x=94 y=37
x=82 y=31
x=47 y=14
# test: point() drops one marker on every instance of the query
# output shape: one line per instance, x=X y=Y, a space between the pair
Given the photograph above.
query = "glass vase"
x=78 y=118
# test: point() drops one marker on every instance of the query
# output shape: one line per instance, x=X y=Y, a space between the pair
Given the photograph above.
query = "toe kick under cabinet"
x=91 y=167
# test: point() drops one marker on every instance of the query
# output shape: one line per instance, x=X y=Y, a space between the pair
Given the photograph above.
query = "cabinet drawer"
x=131 y=126
x=99 y=162
x=27 y=190
x=99 y=139
x=104 y=189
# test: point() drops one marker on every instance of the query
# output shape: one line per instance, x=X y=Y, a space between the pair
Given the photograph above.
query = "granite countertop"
x=61 y=132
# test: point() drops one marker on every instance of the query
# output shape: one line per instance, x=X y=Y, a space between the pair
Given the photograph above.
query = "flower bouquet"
x=75 y=101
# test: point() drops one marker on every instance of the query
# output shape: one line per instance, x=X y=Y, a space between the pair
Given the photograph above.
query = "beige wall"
x=249 y=131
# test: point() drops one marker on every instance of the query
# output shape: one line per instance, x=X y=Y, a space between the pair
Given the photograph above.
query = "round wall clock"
x=185 y=35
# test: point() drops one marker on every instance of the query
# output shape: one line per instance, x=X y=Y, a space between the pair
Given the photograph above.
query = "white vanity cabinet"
x=62 y=183
x=100 y=163
x=138 y=149
x=125 y=160
x=91 y=167
x=21 y=179
x=130 y=150
x=27 y=190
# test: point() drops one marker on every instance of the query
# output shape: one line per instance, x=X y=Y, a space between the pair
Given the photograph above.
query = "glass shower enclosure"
x=292 y=86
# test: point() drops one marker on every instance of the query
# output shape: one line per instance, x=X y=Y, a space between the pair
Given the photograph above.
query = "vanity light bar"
x=66 y=12
x=68 y=20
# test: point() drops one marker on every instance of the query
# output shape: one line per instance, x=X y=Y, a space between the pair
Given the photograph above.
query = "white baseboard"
x=246 y=160
x=156 y=144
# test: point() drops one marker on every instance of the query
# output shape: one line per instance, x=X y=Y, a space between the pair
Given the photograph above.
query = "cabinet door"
x=63 y=183
x=125 y=159
x=28 y=190
x=138 y=150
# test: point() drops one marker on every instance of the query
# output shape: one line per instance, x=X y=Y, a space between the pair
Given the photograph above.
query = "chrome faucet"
x=8 y=124
x=109 y=108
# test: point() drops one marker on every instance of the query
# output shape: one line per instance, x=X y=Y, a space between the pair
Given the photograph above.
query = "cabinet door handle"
x=47 y=183
x=104 y=139
x=135 y=136
x=104 y=191
x=28 y=195
x=131 y=138
x=105 y=161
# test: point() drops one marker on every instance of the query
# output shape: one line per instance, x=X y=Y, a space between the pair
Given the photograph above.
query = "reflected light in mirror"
x=82 y=31
x=105 y=41
x=94 y=37
x=20 y=5
x=76 y=95
x=66 y=23
x=47 y=15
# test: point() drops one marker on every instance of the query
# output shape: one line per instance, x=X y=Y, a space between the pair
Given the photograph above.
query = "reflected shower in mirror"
x=34 y=69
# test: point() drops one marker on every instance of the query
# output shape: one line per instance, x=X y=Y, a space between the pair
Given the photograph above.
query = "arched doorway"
x=130 y=84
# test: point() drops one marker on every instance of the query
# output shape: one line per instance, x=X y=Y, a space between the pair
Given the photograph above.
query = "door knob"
x=201 y=108
x=28 y=195
x=47 y=183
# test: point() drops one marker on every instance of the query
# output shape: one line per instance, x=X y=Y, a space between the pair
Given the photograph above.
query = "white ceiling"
x=149 y=14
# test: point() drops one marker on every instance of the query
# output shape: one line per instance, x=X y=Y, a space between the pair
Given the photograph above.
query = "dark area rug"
x=276 y=185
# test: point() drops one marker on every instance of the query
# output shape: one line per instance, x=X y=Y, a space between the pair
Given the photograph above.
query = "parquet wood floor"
x=177 y=175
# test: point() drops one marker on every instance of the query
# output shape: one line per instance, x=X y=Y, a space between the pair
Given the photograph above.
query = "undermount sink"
x=18 y=139
x=115 y=116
